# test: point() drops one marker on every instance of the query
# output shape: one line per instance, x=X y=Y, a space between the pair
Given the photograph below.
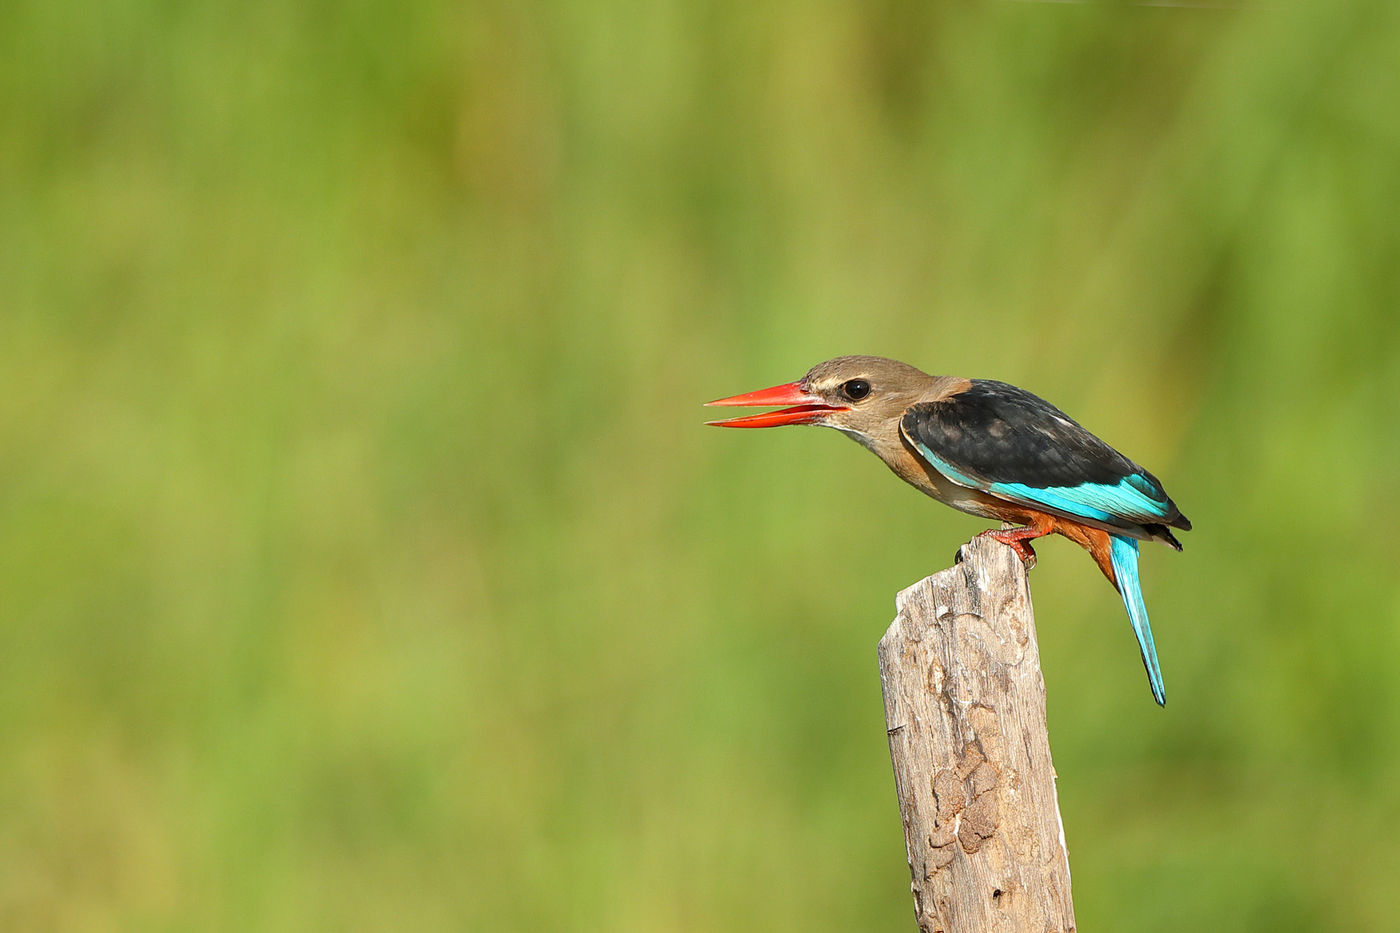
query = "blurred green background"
x=364 y=564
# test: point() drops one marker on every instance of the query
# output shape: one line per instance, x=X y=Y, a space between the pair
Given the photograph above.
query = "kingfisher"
x=995 y=451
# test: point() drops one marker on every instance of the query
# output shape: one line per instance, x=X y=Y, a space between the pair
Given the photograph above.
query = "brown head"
x=863 y=396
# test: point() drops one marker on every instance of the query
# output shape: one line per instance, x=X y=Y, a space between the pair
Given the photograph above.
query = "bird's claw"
x=1021 y=546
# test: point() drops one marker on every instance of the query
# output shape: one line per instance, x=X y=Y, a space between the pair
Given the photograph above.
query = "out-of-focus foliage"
x=364 y=563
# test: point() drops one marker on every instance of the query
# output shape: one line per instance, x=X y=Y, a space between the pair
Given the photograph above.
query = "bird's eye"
x=855 y=389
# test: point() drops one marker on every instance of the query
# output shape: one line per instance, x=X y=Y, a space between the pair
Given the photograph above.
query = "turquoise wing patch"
x=1125 y=499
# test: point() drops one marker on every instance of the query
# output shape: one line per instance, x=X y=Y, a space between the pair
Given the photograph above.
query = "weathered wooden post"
x=965 y=712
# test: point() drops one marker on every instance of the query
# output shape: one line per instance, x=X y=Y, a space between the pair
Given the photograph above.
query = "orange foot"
x=1018 y=538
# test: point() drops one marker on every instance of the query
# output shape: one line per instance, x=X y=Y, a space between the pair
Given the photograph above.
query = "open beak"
x=805 y=407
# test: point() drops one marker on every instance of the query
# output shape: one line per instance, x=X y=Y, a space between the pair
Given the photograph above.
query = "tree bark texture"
x=965 y=712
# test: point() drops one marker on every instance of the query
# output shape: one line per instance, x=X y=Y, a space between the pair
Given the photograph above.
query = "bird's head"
x=863 y=396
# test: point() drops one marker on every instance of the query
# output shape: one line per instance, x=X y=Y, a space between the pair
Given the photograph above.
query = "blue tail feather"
x=1125 y=567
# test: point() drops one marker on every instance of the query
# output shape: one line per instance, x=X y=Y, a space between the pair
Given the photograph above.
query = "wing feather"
x=1007 y=442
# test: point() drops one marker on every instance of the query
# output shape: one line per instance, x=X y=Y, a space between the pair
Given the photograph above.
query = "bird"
x=993 y=450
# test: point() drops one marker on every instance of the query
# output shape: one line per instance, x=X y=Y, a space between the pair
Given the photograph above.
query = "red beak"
x=806 y=408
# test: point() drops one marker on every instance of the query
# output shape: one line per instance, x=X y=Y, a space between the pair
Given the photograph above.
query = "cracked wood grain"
x=965 y=714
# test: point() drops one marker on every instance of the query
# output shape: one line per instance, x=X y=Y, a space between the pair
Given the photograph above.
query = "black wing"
x=1014 y=445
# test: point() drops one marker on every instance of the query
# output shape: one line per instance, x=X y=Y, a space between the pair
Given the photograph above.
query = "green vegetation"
x=364 y=564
